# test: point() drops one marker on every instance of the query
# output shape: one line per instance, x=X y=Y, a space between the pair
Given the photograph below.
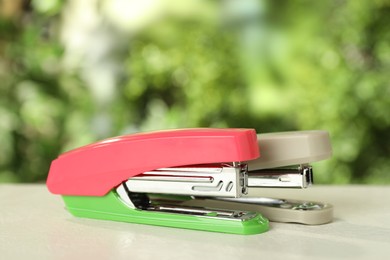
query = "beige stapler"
x=284 y=163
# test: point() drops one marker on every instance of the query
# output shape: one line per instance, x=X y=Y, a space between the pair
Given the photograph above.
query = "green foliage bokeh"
x=298 y=65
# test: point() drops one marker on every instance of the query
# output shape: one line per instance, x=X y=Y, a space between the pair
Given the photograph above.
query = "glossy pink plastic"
x=95 y=169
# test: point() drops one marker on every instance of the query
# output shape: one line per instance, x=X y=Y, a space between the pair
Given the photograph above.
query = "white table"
x=35 y=225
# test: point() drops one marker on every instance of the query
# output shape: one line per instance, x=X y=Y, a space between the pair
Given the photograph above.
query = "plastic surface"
x=93 y=170
x=110 y=207
x=289 y=148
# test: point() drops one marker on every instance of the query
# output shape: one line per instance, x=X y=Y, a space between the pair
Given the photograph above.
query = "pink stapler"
x=169 y=178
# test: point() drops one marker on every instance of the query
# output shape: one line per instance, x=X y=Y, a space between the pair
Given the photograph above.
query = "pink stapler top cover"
x=93 y=170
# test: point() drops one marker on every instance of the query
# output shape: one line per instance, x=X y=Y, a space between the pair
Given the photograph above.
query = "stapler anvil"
x=168 y=177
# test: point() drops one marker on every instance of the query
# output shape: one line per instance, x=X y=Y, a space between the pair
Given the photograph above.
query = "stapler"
x=284 y=163
x=190 y=178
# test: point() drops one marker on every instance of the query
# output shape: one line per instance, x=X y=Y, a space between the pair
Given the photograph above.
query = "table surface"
x=35 y=225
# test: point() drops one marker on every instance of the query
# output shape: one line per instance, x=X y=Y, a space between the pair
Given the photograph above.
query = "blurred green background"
x=73 y=72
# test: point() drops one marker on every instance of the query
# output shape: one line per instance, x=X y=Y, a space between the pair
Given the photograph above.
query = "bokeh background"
x=73 y=72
